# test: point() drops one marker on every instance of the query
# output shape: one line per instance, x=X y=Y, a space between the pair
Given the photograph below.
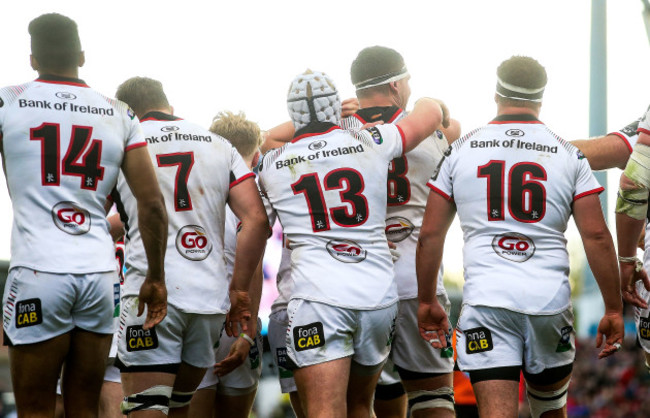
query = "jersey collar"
x=56 y=79
x=387 y=114
x=521 y=118
x=313 y=129
x=155 y=115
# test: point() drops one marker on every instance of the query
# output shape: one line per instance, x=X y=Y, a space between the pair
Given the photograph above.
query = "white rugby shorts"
x=277 y=334
x=180 y=337
x=38 y=306
x=318 y=333
x=410 y=351
x=246 y=376
x=488 y=337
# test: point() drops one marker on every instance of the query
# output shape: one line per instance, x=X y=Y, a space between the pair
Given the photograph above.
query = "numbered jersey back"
x=329 y=190
x=514 y=183
x=63 y=145
x=195 y=170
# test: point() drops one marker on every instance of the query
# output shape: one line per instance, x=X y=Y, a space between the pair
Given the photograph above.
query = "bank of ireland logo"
x=170 y=128
x=398 y=228
x=65 y=95
x=317 y=145
x=517 y=133
x=346 y=251
x=192 y=242
x=513 y=246
x=71 y=218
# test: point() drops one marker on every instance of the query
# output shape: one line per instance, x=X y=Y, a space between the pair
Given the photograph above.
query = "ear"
x=171 y=110
x=33 y=62
x=82 y=58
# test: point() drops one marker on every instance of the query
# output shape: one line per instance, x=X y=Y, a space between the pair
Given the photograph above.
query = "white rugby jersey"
x=195 y=170
x=407 y=195
x=283 y=279
x=514 y=182
x=63 y=145
x=328 y=188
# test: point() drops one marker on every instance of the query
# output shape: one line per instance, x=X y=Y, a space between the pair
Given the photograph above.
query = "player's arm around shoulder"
x=152 y=218
x=427 y=116
x=599 y=248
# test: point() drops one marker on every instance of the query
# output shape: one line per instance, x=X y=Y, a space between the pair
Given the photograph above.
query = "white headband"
x=382 y=79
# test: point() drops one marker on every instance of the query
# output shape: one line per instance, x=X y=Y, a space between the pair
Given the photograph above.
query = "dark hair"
x=142 y=94
x=55 y=41
x=525 y=73
x=374 y=62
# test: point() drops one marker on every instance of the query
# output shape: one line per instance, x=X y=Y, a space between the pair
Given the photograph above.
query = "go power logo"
x=192 y=243
x=398 y=228
x=71 y=218
x=346 y=251
x=513 y=246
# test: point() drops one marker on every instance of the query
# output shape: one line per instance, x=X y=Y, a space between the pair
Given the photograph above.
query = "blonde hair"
x=242 y=133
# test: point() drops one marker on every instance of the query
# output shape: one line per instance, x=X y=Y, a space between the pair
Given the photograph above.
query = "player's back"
x=329 y=190
x=407 y=191
x=63 y=145
x=513 y=183
x=195 y=170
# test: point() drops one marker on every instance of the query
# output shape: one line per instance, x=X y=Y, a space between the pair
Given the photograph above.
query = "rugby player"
x=63 y=145
x=516 y=313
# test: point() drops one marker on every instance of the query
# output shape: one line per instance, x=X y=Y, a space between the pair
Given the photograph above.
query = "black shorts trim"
x=6 y=341
x=160 y=368
x=549 y=376
x=389 y=392
x=411 y=375
x=498 y=373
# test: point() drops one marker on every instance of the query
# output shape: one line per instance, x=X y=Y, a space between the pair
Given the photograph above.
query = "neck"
x=165 y=110
x=517 y=110
x=378 y=100
x=68 y=73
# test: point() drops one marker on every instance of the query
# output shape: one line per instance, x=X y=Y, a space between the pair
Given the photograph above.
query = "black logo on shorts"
x=2 y=102
x=644 y=328
x=284 y=367
x=478 y=340
x=565 y=340
x=28 y=313
x=309 y=336
x=137 y=339
x=254 y=356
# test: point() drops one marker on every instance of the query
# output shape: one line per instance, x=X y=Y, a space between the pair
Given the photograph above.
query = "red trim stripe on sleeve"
x=440 y=192
x=587 y=193
x=627 y=143
x=138 y=145
x=645 y=131
x=242 y=178
x=401 y=132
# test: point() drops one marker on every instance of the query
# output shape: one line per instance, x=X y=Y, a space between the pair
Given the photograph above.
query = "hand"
x=239 y=314
x=236 y=357
x=629 y=276
x=612 y=326
x=154 y=295
x=433 y=323
x=394 y=252
x=349 y=107
x=446 y=119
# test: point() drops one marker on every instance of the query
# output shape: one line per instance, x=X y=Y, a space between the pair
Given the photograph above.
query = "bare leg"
x=323 y=388
x=497 y=398
x=83 y=372
x=431 y=383
x=294 y=398
x=202 y=405
x=187 y=380
x=360 y=393
x=58 y=409
x=391 y=408
x=234 y=406
x=109 y=400
x=137 y=382
x=35 y=369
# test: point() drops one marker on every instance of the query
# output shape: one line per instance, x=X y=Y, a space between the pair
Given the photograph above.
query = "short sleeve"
x=135 y=136
x=586 y=182
x=441 y=180
x=388 y=140
x=238 y=169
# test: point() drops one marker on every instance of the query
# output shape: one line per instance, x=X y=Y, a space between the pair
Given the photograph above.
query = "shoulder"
x=9 y=94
